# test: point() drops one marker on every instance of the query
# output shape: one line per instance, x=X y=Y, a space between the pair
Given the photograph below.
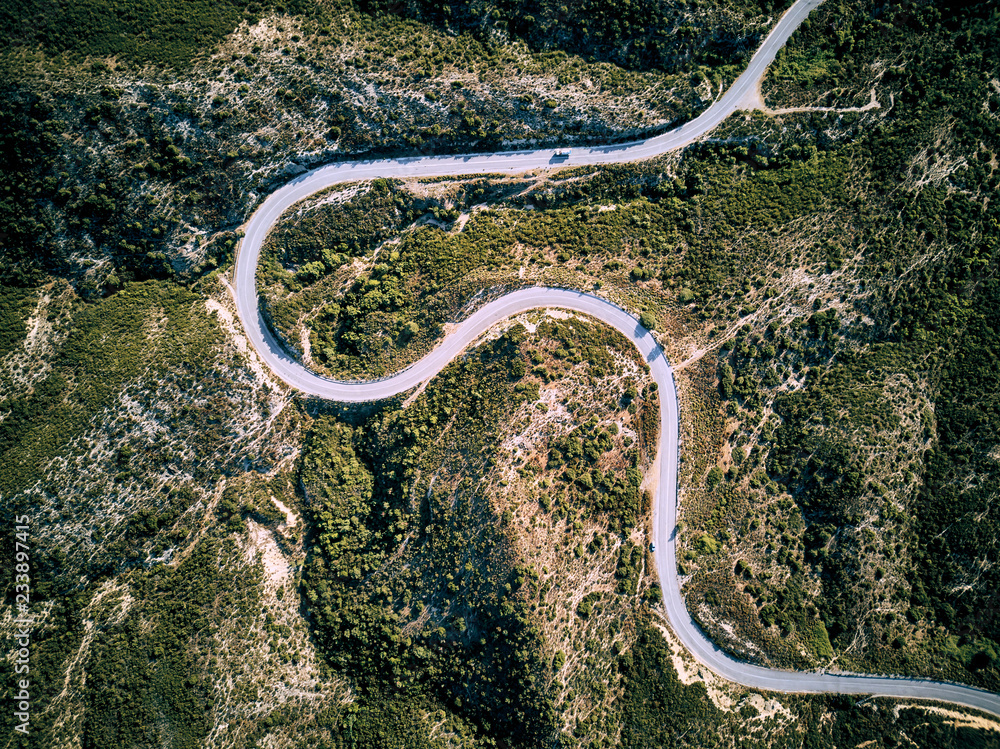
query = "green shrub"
x=707 y=544
x=714 y=477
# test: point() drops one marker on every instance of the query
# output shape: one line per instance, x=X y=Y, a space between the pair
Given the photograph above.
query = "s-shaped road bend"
x=665 y=501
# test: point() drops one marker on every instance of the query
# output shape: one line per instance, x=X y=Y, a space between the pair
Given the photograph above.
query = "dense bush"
x=169 y=32
x=108 y=344
x=479 y=653
x=15 y=306
x=643 y=34
x=28 y=141
x=657 y=709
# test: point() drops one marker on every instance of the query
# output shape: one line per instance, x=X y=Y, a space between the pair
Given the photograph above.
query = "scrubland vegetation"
x=666 y=35
x=431 y=602
x=872 y=527
x=144 y=145
x=217 y=563
x=129 y=428
x=839 y=290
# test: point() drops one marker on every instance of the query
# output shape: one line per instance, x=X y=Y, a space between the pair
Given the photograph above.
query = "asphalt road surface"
x=665 y=501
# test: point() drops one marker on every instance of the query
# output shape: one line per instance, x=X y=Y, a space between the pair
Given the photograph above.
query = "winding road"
x=665 y=502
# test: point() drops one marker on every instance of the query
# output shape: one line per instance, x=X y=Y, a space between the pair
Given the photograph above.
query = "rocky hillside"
x=215 y=561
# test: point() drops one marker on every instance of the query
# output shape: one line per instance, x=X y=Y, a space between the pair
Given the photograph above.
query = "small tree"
x=310 y=272
x=409 y=330
x=714 y=477
x=648 y=321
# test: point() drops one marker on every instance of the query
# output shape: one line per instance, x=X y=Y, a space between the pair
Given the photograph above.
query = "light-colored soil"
x=957 y=719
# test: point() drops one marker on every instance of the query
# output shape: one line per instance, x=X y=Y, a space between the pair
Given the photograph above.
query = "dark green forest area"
x=482 y=658
x=44 y=209
x=944 y=322
x=642 y=34
x=639 y=34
